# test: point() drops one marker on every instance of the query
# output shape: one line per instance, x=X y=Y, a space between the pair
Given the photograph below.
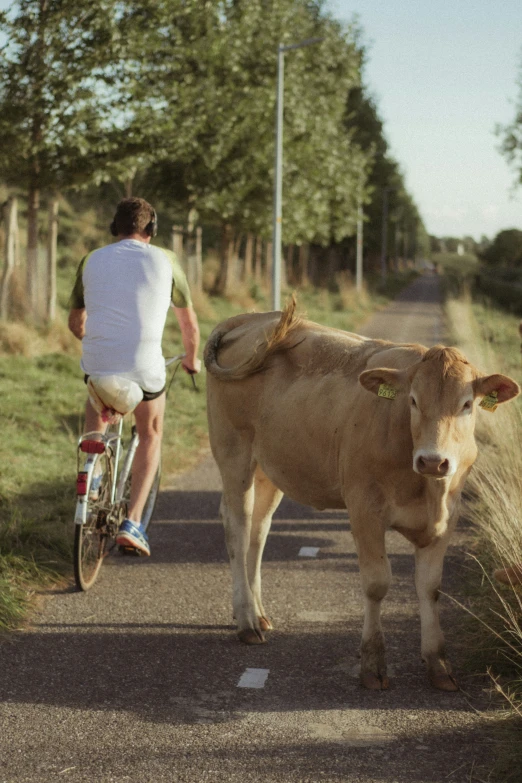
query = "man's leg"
x=93 y=420
x=94 y=423
x=149 y=425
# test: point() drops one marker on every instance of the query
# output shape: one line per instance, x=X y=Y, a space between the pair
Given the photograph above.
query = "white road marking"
x=308 y=551
x=253 y=678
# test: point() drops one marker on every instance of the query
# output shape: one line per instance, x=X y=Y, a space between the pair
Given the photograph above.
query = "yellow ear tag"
x=489 y=402
x=387 y=391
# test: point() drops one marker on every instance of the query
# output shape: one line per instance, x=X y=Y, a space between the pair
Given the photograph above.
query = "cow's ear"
x=497 y=386
x=375 y=380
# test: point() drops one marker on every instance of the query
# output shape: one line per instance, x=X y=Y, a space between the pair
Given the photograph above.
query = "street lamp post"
x=359 y=253
x=278 y=174
x=359 y=241
x=384 y=248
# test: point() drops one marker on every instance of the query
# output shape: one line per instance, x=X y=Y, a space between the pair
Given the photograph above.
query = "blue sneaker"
x=133 y=535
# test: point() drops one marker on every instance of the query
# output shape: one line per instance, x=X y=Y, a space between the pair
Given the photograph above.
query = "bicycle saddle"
x=111 y=395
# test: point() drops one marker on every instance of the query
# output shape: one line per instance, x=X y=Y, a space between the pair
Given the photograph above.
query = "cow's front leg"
x=266 y=499
x=428 y=574
x=375 y=573
x=236 y=512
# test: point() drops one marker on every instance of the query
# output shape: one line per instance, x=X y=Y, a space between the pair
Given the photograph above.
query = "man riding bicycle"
x=119 y=306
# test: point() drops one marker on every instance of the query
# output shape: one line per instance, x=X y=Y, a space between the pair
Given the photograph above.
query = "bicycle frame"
x=111 y=443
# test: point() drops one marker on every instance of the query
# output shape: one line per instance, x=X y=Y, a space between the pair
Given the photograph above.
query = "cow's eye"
x=467 y=405
x=412 y=402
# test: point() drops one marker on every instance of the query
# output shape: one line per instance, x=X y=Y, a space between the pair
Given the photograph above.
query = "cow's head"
x=443 y=390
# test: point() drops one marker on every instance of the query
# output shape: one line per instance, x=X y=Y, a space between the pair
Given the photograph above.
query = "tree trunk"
x=199 y=259
x=223 y=281
x=52 y=242
x=236 y=262
x=249 y=253
x=269 y=263
x=332 y=265
x=11 y=243
x=287 y=269
x=194 y=259
x=177 y=242
x=31 y=271
x=304 y=252
x=258 y=260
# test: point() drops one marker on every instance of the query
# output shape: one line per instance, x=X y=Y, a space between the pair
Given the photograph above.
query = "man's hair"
x=133 y=215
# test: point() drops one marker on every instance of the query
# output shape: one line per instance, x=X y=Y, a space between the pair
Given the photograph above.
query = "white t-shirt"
x=126 y=289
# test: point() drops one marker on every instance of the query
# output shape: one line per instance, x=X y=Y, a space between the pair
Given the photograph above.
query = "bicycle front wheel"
x=90 y=537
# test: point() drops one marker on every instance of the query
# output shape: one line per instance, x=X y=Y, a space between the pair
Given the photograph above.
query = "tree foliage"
x=214 y=105
x=385 y=180
x=56 y=118
x=179 y=95
x=506 y=249
x=511 y=135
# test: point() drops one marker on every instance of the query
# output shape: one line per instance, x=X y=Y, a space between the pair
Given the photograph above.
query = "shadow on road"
x=199 y=504
x=161 y=670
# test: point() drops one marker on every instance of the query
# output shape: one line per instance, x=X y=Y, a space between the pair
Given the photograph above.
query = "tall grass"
x=490 y=340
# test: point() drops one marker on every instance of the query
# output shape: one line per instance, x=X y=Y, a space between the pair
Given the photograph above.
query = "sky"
x=444 y=74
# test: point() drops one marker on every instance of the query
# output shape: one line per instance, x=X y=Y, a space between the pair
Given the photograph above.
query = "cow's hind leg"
x=375 y=579
x=428 y=574
x=266 y=499
x=237 y=504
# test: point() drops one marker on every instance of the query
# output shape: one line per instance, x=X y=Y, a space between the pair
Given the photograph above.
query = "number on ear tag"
x=489 y=402
x=385 y=390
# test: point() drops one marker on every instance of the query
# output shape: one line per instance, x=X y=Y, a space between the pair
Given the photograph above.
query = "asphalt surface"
x=137 y=680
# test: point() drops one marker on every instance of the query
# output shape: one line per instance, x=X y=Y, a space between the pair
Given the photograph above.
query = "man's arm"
x=76 y=323
x=188 y=323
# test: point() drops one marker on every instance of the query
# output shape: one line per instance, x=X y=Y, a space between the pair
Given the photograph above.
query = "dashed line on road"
x=308 y=551
x=253 y=678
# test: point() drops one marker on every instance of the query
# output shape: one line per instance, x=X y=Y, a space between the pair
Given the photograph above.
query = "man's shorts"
x=147 y=396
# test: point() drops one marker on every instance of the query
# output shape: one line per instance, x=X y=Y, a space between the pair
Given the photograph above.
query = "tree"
x=506 y=249
x=408 y=235
x=56 y=108
x=511 y=135
x=211 y=109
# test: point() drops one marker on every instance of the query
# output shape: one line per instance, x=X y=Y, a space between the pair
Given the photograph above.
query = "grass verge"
x=489 y=337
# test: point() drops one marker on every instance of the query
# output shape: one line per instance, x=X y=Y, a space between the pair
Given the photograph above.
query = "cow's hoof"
x=251 y=636
x=265 y=624
x=375 y=682
x=444 y=682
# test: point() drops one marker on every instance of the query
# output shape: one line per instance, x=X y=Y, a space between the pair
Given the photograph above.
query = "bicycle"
x=99 y=514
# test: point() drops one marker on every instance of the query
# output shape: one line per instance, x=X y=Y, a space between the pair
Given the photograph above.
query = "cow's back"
x=309 y=420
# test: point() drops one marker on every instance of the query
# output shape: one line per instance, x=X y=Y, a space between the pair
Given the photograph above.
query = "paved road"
x=138 y=679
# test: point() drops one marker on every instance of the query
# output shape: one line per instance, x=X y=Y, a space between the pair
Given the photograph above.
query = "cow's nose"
x=432 y=465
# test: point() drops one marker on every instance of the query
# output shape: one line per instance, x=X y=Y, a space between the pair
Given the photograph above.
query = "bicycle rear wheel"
x=91 y=536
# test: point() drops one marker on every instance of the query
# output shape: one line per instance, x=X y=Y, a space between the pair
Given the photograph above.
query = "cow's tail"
x=282 y=338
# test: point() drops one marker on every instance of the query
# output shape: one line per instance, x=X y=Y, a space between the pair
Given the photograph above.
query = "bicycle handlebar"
x=173 y=359
x=178 y=358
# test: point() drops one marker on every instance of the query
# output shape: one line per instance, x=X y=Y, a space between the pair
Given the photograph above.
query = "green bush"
x=507 y=294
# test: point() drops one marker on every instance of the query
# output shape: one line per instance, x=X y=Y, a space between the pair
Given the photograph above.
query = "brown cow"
x=296 y=408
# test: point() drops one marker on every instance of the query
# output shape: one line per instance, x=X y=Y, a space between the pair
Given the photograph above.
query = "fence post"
x=52 y=241
x=11 y=244
x=177 y=242
x=199 y=259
